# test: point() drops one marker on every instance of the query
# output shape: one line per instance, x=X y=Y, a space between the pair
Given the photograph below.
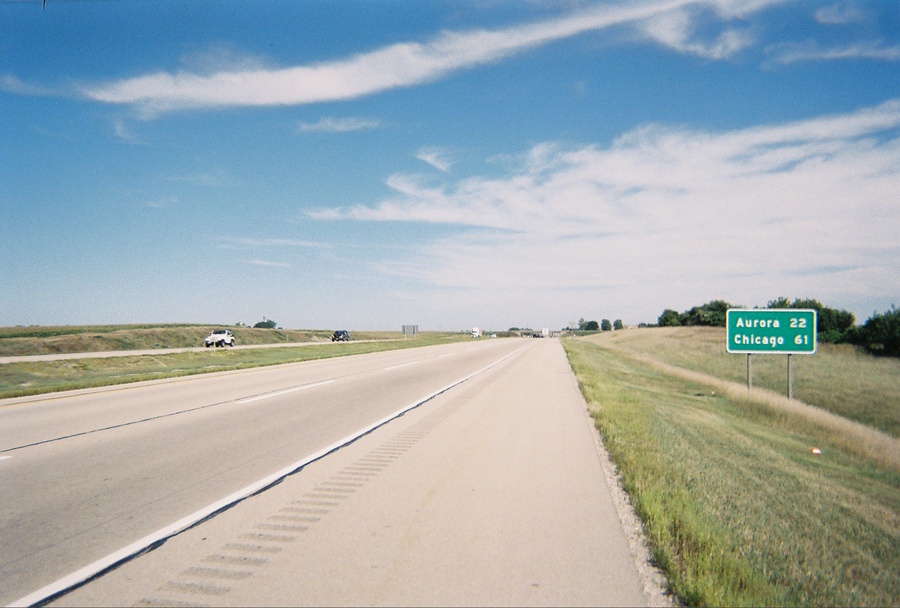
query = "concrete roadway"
x=489 y=493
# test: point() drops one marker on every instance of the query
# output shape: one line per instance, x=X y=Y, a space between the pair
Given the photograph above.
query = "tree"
x=591 y=326
x=711 y=314
x=266 y=324
x=668 y=318
x=605 y=325
x=832 y=325
x=617 y=324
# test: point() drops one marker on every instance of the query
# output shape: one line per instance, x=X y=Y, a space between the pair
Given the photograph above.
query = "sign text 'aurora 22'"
x=780 y=331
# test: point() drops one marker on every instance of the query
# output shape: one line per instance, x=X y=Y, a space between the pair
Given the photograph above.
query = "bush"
x=881 y=333
x=266 y=324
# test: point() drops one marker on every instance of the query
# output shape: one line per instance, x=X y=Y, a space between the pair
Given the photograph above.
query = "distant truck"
x=476 y=332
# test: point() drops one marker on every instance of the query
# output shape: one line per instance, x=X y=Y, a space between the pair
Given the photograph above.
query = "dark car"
x=340 y=336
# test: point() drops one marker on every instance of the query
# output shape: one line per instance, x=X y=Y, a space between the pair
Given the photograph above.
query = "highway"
x=88 y=477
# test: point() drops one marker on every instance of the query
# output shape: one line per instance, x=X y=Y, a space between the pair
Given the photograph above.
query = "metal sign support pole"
x=749 y=372
x=790 y=379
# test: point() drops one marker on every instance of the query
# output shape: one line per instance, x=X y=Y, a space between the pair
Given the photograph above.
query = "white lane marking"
x=101 y=565
x=399 y=366
x=5 y=457
x=284 y=392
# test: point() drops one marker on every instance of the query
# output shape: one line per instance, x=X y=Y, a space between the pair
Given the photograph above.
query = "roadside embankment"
x=747 y=498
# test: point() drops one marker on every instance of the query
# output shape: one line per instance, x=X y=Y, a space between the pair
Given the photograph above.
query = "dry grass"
x=841 y=379
x=849 y=435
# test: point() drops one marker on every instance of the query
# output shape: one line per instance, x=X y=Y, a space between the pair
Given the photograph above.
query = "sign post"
x=771 y=331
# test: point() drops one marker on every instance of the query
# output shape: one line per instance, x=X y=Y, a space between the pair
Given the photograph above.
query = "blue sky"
x=450 y=164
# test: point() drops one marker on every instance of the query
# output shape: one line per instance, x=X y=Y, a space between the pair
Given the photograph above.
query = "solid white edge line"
x=83 y=574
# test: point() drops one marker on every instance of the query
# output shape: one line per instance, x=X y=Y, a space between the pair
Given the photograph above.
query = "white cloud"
x=806 y=209
x=338 y=125
x=675 y=29
x=436 y=157
x=413 y=63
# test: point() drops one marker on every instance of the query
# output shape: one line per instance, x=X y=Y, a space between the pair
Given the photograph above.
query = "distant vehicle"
x=340 y=335
x=476 y=332
x=220 y=337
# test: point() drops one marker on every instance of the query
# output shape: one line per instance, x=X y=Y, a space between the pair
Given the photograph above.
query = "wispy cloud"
x=268 y=264
x=270 y=242
x=123 y=131
x=338 y=125
x=12 y=84
x=794 y=53
x=438 y=158
x=161 y=203
x=841 y=13
x=216 y=178
x=805 y=207
x=414 y=63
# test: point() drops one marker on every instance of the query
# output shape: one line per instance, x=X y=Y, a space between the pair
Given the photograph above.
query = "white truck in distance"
x=220 y=337
x=476 y=332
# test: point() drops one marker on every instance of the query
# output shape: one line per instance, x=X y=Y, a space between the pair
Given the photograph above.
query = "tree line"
x=604 y=325
x=880 y=334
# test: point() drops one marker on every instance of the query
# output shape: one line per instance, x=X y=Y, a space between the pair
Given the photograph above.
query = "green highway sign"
x=779 y=331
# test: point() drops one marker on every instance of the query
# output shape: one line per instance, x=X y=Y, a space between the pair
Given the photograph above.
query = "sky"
x=450 y=164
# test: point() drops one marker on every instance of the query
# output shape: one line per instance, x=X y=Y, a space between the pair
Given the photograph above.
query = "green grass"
x=31 y=378
x=737 y=508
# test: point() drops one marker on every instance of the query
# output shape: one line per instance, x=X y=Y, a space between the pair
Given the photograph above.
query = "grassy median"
x=737 y=506
x=31 y=378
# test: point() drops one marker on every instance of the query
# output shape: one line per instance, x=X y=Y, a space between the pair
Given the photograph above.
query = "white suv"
x=220 y=337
